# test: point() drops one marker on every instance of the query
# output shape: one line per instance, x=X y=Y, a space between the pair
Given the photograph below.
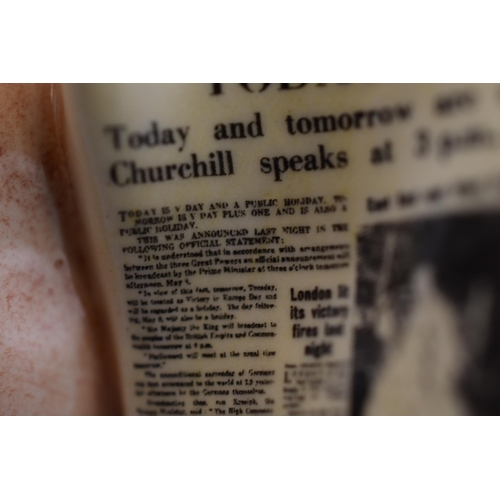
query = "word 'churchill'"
x=219 y=163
